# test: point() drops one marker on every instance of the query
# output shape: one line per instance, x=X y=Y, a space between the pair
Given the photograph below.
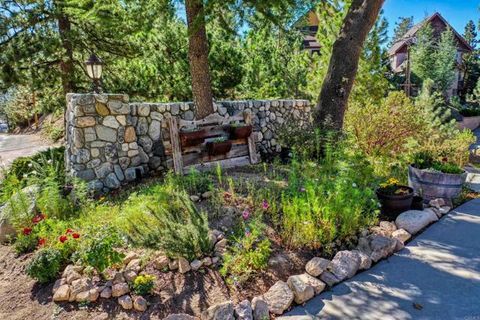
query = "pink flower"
x=265 y=204
x=246 y=214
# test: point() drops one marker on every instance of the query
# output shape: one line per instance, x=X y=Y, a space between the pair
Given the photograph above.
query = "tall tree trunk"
x=198 y=58
x=67 y=62
x=343 y=66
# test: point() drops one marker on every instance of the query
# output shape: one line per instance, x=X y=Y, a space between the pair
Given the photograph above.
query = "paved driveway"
x=14 y=146
x=437 y=276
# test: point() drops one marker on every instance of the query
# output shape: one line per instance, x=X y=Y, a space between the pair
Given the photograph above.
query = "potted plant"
x=192 y=137
x=219 y=146
x=240 y=131
x=434 y=178
x=394 y=198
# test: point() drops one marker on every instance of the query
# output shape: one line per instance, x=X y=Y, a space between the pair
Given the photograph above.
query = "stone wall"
x=111 y=141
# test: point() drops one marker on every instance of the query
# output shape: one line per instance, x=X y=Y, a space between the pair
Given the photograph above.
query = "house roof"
x=406 y=39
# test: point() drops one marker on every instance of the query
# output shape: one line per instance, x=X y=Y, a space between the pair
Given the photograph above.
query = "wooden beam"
x=176 y=149
x=252 y=149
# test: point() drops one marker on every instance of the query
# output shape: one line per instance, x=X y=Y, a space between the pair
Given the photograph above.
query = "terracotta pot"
x=393 y=205
x=218 y=148
x=240 y=132
x=192 y=138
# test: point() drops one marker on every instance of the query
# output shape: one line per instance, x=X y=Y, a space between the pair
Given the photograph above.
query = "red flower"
x=38 y=218
x=69 y=231
x=76 y=235
x=27 y=231
x=63 y=238
x=41 y=242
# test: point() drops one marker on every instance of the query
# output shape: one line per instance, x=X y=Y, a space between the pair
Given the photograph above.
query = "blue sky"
x=457 y=12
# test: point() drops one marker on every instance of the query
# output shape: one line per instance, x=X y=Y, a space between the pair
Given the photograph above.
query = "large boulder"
x=316 y=266
x=415 y=220
x=279 y=297
x=302 y=291
x=345 y=264
x=23 y=202
x=381 y=247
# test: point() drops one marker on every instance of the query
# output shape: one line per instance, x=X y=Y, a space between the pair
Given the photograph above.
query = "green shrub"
x=25 y=243
x=424 y=160
x=98 y=248
x=143 y=284
x=167 y=220
x=194 y=182
x=45 y=265
x=248 y=254
x=325 y=201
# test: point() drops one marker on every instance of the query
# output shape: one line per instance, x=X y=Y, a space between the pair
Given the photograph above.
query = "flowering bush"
x=45 y=265
x=392 y=187
x=143 y=284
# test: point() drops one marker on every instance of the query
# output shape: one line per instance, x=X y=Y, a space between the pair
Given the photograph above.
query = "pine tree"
x=470 y=61
x=401 y=27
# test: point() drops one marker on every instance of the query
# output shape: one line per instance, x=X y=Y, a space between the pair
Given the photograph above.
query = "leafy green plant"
x=248 y=254
x=143 y=284
x=45 y=265
x=194 y=182
x=424 y=160
x=26 y=241
x=98 y=248
x=167 y=220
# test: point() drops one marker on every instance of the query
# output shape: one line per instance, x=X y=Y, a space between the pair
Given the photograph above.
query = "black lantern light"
x=94 y=70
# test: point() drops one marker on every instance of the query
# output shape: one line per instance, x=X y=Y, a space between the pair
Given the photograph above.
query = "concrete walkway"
x=21 y=145
x=436 y=276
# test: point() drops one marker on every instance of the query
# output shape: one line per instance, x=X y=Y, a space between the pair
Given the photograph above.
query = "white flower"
x=354 y=185
x=49 y=161
x=34 y=172
x=30 y=165
x=25 y=176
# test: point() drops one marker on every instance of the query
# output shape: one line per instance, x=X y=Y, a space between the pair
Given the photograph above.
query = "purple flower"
x=265 y=204
x=246 y=214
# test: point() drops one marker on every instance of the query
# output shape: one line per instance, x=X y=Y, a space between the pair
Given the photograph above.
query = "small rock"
x=207 y=195
x=317 y=285
x=194 y=198
x=279 y=297
x=302 y=291
x=414 y=220
x=130 y=275
x=78 y=286
x=329 y=278
x=106 y=293
x=161 y=263
x=399 y=245
x=207 y=261
x=134 y=265
x=345 y=264
x=243 y=311
x=215 y=260
x=62 y=293
x=118 y=278
x=401 y=235
x=129 y=257
x=120 y=289
x=196 y=264
x=87 y=296
x=173 y=265
x=365 y=261
x=222 y=311
x=260 y=309
x=58 y=283
x=434 y=211
x=125 y=302
x=183 y=265
x=316 y=266
x=381 y=247
x=221 y=247
x=140 y=304
x=437 y=203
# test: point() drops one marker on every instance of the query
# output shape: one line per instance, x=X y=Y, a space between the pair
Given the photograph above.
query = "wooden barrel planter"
x=394 y=204
x=432 y=185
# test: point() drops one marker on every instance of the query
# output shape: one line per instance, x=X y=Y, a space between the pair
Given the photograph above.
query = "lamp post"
x=94 y=68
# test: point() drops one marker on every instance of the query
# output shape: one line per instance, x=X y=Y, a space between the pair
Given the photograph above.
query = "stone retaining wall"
x=111 y=141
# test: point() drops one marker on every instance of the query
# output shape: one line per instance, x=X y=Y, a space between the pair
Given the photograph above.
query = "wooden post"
x=176 y=148
x=252 y=150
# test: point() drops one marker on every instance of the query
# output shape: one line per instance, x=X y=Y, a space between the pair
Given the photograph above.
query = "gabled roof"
x=407 y=37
